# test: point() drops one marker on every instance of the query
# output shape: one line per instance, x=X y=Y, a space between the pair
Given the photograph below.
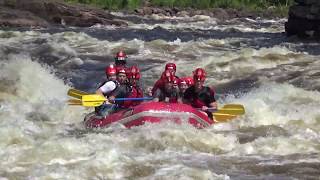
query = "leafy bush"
x=200 y=4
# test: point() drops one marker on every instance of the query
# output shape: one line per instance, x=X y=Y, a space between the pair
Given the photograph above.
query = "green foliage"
x=204 y=4
x=280 y=5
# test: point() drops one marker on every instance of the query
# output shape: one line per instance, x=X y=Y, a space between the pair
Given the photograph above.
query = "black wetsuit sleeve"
x=188 y=95
x=211 y=96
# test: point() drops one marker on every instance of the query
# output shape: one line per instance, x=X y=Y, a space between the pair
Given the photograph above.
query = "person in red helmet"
x=110 y=84
x=111 y=72
x=106 y=89
x=200 y=96
x=133 y=75
x=190 y=81
x=184 y=84
x=172 y=67
x=123 y=89
x=112 y=90
x=120 y=59
x=160 y=82
x=168 y=93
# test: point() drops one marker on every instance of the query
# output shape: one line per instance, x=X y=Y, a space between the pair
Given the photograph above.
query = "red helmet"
x=133 y=73
x=171 y=66
x=189 y=81
x=186 y=80
x=122 y=70
x=199 y=74
x=167 y=76
x=120 y=58
x=110 y=70
x=182 y=81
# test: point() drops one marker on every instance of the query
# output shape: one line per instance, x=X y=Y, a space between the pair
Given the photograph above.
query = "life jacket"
x=202 y=98
x=158 y=85
x=162 y=95
x=139 y=95
x=109 y=93
x=173 y=99
x=136 y=92
x=123 y=91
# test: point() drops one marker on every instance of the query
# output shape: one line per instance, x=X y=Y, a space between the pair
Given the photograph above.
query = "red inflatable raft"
x=151 y=112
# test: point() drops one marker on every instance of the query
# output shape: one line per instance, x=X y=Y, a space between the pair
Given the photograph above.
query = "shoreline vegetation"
x=276 y=8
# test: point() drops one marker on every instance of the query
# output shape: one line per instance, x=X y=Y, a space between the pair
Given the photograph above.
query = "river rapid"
x=248 y=61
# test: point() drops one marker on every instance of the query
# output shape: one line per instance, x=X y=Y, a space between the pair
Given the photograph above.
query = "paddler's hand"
x=204 y=108
x=149 y=91
x=111 y=99
x=214 y=105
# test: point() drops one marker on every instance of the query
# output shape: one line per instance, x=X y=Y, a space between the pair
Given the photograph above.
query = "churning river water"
x=249 y=61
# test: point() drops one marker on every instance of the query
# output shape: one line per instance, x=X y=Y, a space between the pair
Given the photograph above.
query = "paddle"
x=228 y=112
x=74 y=102
x=236 y=109
x=224 y=114
x=93 y=100
x=219 y=118
x=76 y=93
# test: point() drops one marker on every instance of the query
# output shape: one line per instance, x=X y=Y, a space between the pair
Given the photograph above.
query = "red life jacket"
x=158 y=85
x=173 y=99
x=135 y=93
x=139 y=95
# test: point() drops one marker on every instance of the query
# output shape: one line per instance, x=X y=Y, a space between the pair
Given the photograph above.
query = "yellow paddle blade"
x=92 y=100
x=92 y=104
x=78 y=102
x=234 y=110
x=219 y=117
x=228 y=112
x=76 y=93
x=74 y=102
x=234 y=106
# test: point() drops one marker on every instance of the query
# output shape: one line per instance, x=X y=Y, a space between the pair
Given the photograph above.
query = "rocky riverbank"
x=304 y=19
x=43 y=13
x=218 y=13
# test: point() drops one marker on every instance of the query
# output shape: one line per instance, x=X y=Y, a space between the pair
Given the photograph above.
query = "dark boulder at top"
x=42 y=13
x=304 y=19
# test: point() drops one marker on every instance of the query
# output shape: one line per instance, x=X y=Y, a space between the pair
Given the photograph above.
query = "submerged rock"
x=304 y=19
x=45 y=12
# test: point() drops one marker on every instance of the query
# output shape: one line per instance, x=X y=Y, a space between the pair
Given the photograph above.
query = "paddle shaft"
x=133 y=99
x=209 y=109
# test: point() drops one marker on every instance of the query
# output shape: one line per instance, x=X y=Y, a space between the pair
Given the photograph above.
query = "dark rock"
x=147 y=11
x=307 y=2
x=16 y=18
x=304 y=19
x=222 y=14
x=56 y=12
x=183 y=13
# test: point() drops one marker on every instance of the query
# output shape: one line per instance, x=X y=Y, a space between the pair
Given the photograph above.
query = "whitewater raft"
x=151 y=112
